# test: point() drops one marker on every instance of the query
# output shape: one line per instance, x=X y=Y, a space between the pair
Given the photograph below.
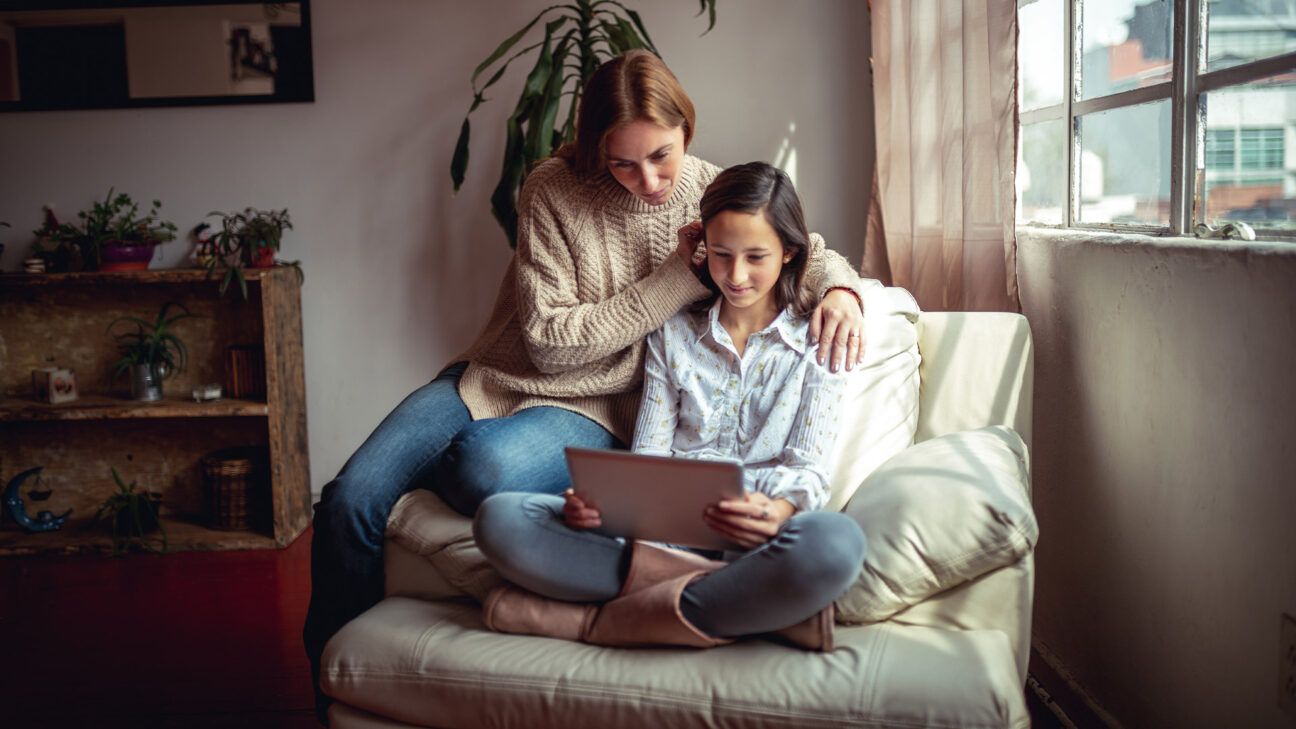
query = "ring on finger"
x=764 y=514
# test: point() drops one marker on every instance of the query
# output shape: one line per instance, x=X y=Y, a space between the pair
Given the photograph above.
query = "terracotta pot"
x=119 y=256
x=263 y=258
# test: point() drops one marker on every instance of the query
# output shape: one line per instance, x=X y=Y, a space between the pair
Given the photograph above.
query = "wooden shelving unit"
x=62 y=319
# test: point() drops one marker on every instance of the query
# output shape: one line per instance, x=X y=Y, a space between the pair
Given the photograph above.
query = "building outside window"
x=1100 y=150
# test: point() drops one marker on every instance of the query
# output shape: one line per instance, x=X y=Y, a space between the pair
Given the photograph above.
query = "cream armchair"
x=942 y=605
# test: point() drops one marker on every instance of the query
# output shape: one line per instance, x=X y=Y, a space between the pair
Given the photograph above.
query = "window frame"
x=1188 y=81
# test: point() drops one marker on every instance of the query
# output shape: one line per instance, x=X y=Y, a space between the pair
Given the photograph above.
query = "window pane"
x=1126 y=45
x=1040 y=50
x=1125 y=165
x=1041 y=173
x=1258 y=183
x=1220 y=146
x=1238 y=31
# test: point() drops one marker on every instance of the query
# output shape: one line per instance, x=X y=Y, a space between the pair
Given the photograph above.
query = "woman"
x=731 y=379
x=597 y=268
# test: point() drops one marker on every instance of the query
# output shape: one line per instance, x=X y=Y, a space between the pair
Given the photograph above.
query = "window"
x=1157 y=115
x=1262 y=149
x=1220 y=147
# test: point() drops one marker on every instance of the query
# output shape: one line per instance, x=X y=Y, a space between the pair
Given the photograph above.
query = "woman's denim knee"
x=474 y=469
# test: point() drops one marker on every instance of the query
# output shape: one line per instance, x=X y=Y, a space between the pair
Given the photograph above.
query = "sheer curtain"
x=945 y=97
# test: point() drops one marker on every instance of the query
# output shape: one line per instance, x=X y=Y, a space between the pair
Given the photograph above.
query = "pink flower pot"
x=118 y=256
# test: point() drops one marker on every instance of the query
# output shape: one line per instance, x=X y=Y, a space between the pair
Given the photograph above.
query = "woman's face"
x=745 y=258
x=645 y=158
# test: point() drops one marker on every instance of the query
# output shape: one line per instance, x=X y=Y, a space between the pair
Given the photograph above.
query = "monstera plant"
x=578 y=37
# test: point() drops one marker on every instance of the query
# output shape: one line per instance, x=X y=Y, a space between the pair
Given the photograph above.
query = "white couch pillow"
x=880 y=404
x=943 y=512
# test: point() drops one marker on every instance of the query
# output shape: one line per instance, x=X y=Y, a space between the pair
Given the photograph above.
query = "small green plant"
x=133 y=517
x=117 y=220
x=114 y=221
x=58 y=244
x=245 y=239
x=151 y=342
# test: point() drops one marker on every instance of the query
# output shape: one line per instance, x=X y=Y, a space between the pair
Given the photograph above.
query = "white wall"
x=400 y=273
x=1164 y=471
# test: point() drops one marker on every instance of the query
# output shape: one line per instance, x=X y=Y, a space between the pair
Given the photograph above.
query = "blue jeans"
x=811 y=561
x=428 y=441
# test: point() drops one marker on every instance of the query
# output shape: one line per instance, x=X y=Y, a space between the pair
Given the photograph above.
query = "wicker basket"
x=232 y=475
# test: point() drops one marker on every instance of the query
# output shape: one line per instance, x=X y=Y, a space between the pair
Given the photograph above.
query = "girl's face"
x=645 y=158
x=745 y=257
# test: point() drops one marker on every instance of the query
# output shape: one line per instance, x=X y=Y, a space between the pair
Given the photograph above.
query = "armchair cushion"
x=880 y=402
x=943 y=512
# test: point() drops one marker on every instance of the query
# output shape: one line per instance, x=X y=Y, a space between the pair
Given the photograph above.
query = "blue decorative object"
x=45 y=521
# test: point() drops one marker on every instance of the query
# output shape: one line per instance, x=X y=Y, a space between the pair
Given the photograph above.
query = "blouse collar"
x=793 y=330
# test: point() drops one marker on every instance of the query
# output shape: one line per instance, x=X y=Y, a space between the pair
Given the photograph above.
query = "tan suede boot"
x=511 y=609
x=650 y=616
x=814 y=633
x=651 y=564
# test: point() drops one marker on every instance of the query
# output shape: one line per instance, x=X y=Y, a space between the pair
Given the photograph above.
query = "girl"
x=732 y=378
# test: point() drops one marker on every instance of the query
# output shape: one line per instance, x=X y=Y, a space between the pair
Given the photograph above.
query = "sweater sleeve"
x=827 y=269
x=562 y=333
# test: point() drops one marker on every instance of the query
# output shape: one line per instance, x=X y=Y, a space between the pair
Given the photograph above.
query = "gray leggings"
x=811 y=562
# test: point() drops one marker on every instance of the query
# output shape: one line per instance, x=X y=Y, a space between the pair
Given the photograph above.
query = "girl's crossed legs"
x=811 y=562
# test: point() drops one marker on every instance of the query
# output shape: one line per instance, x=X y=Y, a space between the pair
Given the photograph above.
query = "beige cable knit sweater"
x=593 y=275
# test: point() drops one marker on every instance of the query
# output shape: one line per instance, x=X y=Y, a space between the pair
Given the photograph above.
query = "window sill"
x=1284 y=248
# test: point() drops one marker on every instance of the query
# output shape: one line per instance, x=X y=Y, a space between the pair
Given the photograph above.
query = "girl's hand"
x=577 y=515
x=837 y=324
x=750 y=521
x=690 y=237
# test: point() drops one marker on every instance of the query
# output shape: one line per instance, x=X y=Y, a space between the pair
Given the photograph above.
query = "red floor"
x=189 y=639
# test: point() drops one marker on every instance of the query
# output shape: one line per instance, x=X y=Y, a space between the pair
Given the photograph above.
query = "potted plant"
x=57 y=244
x=246 y=239
x=150 y=351
x=113 y=235
x=578 y=38
x=119 y=236
x=133 y=516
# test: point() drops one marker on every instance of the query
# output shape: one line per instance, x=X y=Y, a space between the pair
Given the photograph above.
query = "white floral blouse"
x=774 y=409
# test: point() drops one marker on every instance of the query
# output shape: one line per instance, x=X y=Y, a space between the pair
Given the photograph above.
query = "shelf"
x=62 y=318
x=100 y=407
x=161 y=276
x=182 y=536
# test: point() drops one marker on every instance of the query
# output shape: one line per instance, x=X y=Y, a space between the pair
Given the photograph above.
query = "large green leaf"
x=459 y=163
x=509 y=43
x=643 y=32
x=709 y=7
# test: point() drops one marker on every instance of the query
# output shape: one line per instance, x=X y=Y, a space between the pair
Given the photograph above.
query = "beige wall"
x=1164 y=471
x=400 y=273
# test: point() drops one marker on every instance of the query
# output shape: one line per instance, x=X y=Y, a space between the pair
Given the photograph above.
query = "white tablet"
x=654 y=498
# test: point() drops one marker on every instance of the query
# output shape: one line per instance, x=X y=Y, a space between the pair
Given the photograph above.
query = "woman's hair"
x=635 y=86
x=757 y=187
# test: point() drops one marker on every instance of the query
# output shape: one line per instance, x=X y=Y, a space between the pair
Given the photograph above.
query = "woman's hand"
x=577 y=514
x=837 y=324
x=690 y=237
x=750 y=521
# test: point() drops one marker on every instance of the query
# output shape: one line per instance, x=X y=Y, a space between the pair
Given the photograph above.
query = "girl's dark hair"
x=757 y=187
x=634 y=86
